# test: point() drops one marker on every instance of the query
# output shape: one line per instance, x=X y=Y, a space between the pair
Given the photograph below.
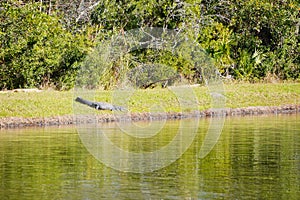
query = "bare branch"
x=86 y=10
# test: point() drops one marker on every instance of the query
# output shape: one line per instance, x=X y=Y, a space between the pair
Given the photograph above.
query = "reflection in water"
x=255 y=158
x=117 y=148
x=212 y=136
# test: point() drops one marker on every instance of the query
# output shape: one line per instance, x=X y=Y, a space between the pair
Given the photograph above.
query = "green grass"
x=54 y=103
x=243 y=95
x=33 y=104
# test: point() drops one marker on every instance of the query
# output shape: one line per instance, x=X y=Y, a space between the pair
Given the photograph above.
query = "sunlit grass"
x=54 y=103
x=243 y=95
x=36 y=104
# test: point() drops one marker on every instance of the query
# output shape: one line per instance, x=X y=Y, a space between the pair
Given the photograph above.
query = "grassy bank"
x=51 y=103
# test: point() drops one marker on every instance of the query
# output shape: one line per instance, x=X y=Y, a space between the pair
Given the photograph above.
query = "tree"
x=35 y=49
x=270 y=28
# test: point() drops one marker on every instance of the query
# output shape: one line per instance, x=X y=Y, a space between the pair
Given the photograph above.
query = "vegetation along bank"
x=50 y=107
x=43 y=43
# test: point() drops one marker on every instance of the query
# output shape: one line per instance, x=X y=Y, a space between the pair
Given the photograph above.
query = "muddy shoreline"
x=19 y=122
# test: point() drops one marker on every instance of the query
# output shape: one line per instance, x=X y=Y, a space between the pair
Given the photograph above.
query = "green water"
x=254 y=158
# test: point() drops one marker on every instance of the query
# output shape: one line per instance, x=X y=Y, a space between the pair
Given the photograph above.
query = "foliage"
x=129 y=14
x=36 y=51
x=43 y=44
x=217 y=40
x=272 y=28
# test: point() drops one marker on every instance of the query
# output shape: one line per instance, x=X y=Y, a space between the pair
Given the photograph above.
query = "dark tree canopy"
x=43 y=42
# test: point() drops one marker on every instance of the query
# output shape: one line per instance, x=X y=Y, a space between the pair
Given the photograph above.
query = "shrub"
x=36 y=50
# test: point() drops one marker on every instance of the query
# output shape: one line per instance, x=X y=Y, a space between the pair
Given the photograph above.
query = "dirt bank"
x=16 y=122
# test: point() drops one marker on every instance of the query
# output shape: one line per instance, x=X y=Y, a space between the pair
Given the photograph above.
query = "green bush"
x=247 y=40
x=36 y=50
x=269 y=27
x=216 y=39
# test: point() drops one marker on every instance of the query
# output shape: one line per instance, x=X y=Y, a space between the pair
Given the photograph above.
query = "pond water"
x=256 y=157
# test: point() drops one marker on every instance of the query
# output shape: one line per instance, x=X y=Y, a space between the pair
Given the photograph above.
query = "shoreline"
x=21 y=122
